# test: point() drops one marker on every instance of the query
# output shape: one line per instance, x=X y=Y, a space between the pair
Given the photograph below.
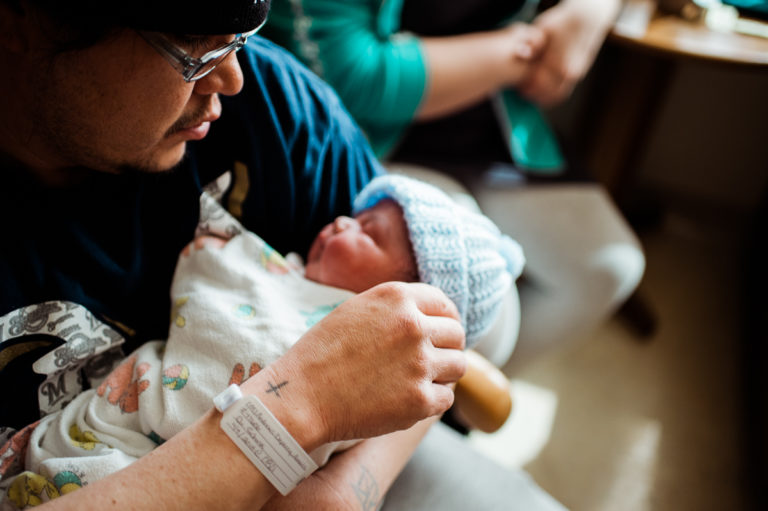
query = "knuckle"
x=450 y=309
x=395 y=291
x=462 y=336
x=446 y=401
x=421 y=400
x=462 y=364
x=421 y=365
x=409 y=325
x=385 y=294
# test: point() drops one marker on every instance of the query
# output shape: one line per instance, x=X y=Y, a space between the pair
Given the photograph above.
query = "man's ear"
x=14 y=25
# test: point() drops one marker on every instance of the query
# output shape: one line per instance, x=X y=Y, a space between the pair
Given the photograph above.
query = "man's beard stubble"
x=73 y=149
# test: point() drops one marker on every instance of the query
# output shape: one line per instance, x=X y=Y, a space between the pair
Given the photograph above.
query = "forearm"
x=191 y=471
x=370 y=468
x=195 y=467
x=357 y=478
x=575 y=31
x=330 y=388
x=465 y=69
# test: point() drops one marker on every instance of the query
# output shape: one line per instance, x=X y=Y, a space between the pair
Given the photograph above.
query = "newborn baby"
x=238 y=306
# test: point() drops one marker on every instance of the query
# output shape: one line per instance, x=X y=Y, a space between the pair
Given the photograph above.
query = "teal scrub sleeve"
x=379 y=74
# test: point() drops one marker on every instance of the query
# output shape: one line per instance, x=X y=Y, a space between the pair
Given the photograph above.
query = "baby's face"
x=358 y=253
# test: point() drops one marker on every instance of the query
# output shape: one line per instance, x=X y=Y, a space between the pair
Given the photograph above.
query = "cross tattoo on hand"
x=276 y=388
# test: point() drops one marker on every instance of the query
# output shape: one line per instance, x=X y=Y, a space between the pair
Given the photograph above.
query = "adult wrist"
x=505 y=72
x=254 y=429
x=282 y=393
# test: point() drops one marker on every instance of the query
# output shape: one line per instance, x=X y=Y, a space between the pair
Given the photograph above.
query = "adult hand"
x=380 y=362
x=467 y=68
x=575 y=31
x=526 y=42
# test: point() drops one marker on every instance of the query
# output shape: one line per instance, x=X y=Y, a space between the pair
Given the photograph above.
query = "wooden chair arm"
x=483 y=399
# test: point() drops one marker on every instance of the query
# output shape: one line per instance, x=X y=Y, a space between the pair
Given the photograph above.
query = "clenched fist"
x=380 y=362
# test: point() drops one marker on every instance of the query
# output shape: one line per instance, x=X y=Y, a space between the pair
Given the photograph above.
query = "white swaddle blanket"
x=235 y=310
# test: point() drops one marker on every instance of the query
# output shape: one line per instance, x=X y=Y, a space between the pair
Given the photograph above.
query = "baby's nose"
x=343 y=223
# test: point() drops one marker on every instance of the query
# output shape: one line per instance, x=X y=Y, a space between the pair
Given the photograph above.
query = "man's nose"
x=226 y=78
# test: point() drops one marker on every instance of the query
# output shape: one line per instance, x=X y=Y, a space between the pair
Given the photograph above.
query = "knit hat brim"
x=459 y=251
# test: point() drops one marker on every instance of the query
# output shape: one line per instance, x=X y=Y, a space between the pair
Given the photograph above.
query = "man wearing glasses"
x=113 y=117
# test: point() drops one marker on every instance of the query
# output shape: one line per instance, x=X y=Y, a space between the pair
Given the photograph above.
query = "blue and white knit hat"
x=459 y=251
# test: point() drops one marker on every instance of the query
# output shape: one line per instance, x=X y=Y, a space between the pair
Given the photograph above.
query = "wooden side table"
x=624 y=100
x=623 y=109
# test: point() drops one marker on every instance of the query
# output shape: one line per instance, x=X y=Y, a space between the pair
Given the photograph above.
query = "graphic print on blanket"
x=90 y=349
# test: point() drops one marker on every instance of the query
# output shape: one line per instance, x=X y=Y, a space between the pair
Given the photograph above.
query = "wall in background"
x=708 y=140
x=707 y=151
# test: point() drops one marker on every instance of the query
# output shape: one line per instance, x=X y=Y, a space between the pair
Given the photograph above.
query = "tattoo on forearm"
x=367 y=491
x=276 y=388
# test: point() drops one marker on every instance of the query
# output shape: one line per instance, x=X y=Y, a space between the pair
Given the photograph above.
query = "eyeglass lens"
x=209 y=65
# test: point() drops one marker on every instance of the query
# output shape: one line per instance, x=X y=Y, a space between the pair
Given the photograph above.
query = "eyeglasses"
x=194 y=68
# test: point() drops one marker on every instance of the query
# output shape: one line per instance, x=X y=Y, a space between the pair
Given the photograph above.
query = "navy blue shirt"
x=109 y=243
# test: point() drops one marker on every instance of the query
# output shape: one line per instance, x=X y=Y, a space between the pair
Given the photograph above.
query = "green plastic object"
x=530 y=139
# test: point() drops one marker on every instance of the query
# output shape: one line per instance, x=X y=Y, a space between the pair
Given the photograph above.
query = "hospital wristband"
x=263 y=440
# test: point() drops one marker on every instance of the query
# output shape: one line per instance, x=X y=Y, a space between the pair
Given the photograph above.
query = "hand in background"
x=466 y=69
x=527 y=43
x=575 y=31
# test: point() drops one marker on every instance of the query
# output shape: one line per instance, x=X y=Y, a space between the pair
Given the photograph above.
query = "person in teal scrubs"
x=396 y=64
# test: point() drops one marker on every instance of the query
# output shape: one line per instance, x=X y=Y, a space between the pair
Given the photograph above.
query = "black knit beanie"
x=199 y=17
